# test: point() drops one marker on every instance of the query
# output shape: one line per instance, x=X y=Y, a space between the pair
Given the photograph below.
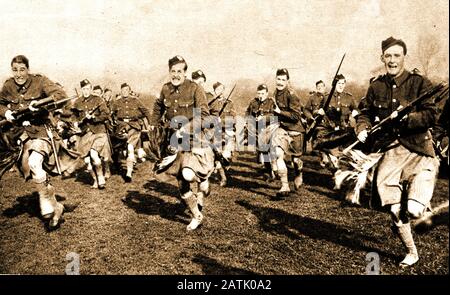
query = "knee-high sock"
x=99 y=172
x=130 y=165
x=47 y=199
x=405 y=234
x=191 y=202
x=284 y=180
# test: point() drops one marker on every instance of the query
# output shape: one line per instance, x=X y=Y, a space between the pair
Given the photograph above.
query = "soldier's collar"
x=402 y=78
x=25 y=85
x=261 y=100
x=174 y=88
x=281 y=91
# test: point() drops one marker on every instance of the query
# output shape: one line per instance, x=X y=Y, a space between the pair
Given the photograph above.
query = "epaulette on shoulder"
x=166 y=86
x=373 y=79
x=416 y=71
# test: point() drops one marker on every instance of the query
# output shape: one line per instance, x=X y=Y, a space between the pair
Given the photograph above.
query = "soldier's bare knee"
x=415 y=209
x=35 y=161
x=279 y=153
x=95 y=157
x=188 y=174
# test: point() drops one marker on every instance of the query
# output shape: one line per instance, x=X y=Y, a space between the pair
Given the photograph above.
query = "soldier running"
x=406 y=173
x=36 y=132
x=128 y=112
x=90 y=114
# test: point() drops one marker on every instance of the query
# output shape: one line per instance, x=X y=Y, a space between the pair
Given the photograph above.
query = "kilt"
x=399 y=165
x=226 y=145
x=199 y=158
x=131 y=133
x=98 y=142
x=69 y=160
x=291 y=142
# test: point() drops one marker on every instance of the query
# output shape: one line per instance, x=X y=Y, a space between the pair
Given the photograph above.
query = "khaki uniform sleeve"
x=158 y=110
x=364 y=122
x=51 y=89
x=426 y=112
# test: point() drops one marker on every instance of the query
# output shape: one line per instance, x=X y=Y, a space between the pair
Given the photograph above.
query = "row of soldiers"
x=409 y=155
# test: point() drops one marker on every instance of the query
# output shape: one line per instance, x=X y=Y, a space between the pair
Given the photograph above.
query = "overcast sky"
x=117 y=41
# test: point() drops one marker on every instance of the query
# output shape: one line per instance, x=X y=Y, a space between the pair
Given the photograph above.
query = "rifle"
x=318 y=119
x=55 y=152
x=226 y=101
x=432 y=91
x=46 y=103
x=215 y=98
x=85 y=118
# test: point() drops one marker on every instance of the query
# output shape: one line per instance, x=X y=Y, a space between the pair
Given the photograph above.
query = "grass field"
x=244 y=230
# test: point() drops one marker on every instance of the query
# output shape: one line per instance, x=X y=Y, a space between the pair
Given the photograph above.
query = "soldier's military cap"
x=198 y=74
x=318 y=82
x=340 y=77
x=391 y=41
x=84 y=83
x=176 y=60
x=97 y=87
x=282 y=72
x=262 y=87
x=107 y=89
x=217 y=84
x=124 y=85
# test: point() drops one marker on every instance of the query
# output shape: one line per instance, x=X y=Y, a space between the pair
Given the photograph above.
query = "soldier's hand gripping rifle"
x=9 y=154
x=76 y=129
x=439 y=89
x=217 y=97
x=318 y=118
x=47 y=103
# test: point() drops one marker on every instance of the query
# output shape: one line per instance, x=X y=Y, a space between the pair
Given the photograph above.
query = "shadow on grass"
x=436 y=220
x=315 y=178
x=280 y=222
x=211 y=266
x=81 y=175
x=151 y=205
x=164 y=188
x=28 y=204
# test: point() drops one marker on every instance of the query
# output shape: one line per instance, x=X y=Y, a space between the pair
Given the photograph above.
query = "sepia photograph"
x=224 y=137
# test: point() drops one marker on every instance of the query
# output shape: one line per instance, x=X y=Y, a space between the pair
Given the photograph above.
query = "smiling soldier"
x=406 y=173
x=37 y=156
